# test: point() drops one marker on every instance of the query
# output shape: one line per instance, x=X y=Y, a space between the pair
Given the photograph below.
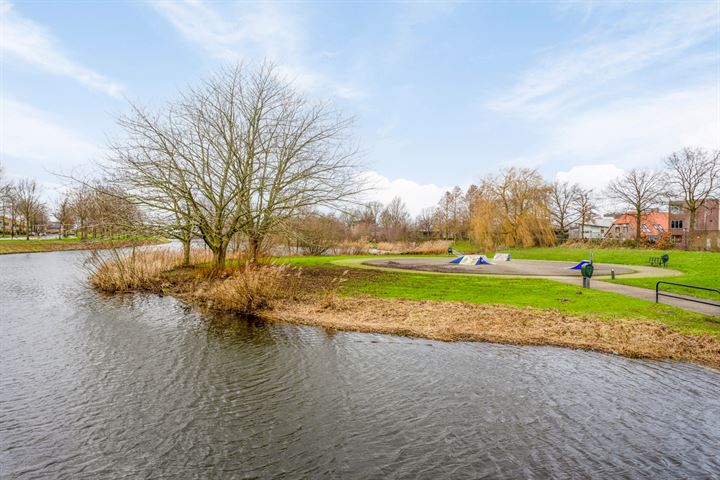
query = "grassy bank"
x=521 y=292
x=70 y=243
x=699 y=268
x=316 y=291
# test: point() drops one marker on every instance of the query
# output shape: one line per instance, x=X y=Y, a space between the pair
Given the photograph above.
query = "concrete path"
x=643 y=294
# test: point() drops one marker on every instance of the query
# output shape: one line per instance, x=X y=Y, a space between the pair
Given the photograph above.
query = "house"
x=652 y=225
x=595 y=229
x=53 y=228
x=707 y=225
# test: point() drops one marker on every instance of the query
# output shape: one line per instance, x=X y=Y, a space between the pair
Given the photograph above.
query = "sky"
x=442 y=93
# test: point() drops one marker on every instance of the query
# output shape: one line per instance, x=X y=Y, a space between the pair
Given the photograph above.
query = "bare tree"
x=65 y=215
x=28 y=203
x=563 y=198
x=425 y=221
x=241 y=153
x=694 y=174
x=584 y=209
x=395 y=219
x=8 y=200
x=638 y=191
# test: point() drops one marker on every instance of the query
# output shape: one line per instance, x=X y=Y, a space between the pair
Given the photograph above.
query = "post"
x=612 y=273
x=657 y=292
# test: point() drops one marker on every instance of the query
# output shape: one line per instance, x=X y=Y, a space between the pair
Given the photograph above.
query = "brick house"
x=707 y=224
x=652 y=224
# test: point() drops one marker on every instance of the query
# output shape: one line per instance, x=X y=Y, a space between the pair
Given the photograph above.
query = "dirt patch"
x=450 y=321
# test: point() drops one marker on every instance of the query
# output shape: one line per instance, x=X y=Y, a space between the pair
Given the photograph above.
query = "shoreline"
x=456 y=321
x=47 y=246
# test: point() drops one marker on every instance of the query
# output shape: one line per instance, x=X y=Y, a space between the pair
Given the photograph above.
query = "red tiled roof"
x=650 y=219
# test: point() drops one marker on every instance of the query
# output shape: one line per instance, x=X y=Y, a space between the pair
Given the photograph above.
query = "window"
x=676 y=224
x=644 y=228
x=659 y=228
x=625 y=228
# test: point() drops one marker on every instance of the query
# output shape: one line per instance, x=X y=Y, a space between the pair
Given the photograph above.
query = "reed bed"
x=429 y=247
x=140 y=269
x=249 y=289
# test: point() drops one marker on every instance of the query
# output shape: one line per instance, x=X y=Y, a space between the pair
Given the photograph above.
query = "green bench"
x=660 y=261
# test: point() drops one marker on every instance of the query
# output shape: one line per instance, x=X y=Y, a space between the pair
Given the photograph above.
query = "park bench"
x=660 y=261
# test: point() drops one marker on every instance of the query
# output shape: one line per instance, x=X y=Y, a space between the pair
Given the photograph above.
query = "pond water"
x=144 y=386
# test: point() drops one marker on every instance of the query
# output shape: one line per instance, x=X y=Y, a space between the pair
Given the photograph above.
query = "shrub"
x=664 y=241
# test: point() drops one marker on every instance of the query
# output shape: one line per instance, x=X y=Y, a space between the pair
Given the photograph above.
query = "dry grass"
x=140 y=269
x=429 y=247
x=351 y=248
x=249 y=289
x=449 y=321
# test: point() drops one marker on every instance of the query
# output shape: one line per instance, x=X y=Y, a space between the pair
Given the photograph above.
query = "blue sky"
x=443 y=93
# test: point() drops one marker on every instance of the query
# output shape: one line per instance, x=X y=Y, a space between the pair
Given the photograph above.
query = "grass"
x=532 y=292
x=699 y=268
x=69 y=243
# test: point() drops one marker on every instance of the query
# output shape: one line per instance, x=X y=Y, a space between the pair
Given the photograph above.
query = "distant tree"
x=563 y=198
x=694 y=175
x=28 y=204
x=584 y=209
x=65 y=215
x=638 y=191
x=424 y=221
x=395 y=220
x=512 y=210
x=315 y=233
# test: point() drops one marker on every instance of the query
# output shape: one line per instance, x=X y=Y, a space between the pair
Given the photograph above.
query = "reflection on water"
x=143 y=386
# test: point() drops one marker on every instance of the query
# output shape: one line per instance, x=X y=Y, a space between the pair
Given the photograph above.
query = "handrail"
x=696 y=300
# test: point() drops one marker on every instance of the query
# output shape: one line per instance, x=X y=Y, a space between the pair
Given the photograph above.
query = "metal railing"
x=658 y=293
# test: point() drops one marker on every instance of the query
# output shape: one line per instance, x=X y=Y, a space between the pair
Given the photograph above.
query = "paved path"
x=643 y=294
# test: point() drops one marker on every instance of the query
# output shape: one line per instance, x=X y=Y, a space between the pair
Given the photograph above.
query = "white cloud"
x=264 y=31
x=415 y=195
x=641 y=132
x=576 y=75
x=30 y=42
x=591 y=176
x=30 y=135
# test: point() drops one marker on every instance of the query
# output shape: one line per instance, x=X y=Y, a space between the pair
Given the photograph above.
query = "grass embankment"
x=71 y=243
x=444 y=307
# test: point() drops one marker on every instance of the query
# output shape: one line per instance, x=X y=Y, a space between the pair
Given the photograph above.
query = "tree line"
x=244 y=158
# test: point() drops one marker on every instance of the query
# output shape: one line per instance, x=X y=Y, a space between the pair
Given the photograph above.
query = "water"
x=145 y=387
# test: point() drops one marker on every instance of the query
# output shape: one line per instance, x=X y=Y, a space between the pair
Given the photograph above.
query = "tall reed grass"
x=118 y=270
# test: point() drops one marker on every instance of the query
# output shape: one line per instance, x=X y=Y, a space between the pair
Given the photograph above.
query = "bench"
x=660 y=261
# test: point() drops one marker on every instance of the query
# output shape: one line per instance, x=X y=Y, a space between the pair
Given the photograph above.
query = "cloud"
x=640 y=132
x=575 y=76
x=30 y=42
x=260 y=31
x=415 y=195
x=31 y=135
x=595 y=177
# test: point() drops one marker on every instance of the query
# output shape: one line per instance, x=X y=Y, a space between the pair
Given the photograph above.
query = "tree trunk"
x=638 y=219
x=219 y=254
x=186 y=252
x=254 y=247
x=693 y=219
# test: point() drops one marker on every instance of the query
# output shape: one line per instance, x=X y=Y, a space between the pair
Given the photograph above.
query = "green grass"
x=699 y=268
x=21 y=245
x=539 y=293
